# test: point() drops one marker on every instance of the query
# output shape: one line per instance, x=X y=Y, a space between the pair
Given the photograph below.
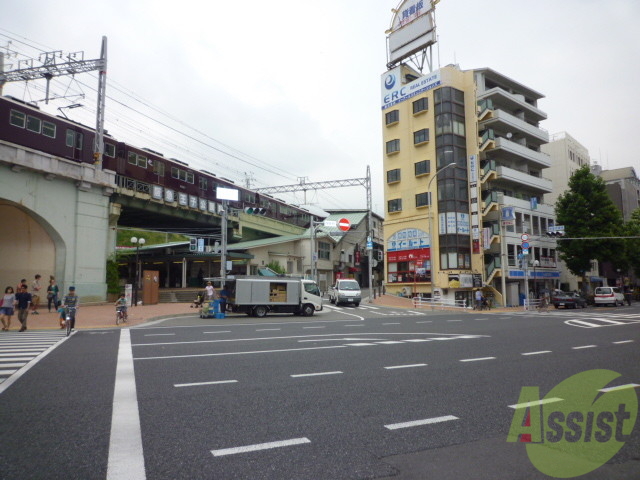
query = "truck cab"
x=347 y=291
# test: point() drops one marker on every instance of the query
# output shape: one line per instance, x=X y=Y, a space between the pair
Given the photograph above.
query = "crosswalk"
x=590 y=318
x=371 y=309
x=18 y=349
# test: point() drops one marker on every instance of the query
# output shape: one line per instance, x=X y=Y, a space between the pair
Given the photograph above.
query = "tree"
x=586 y=210
x=276 y=267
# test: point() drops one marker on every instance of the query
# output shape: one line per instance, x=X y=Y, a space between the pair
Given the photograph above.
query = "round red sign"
x=344 y=224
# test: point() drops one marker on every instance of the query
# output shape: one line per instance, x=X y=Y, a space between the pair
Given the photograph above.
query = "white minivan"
x=608 y=295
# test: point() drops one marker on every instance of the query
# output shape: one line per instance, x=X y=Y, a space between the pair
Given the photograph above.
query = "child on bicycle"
x=121 y=306
x=70 y=302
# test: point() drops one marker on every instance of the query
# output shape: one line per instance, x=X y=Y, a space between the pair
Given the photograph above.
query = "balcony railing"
x=492 y=265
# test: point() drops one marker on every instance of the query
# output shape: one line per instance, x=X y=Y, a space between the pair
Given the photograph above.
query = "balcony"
x=489 y=171
x=504 y=100
x=489 y=202
x=516 y=152
x=511 y=175
x=503 y=121
x=487 y=140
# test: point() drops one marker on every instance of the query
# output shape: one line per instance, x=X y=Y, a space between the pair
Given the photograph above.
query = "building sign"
x=460 y=280
x=394 y=91
x=413 y=28
x=157 y=192
x=538 y=274
x=463 y=227
x=417 y=256
x=508 y=216
x=409 y=238
x=473 y=169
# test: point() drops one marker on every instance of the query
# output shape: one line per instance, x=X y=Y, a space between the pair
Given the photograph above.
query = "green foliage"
x=113 y=276
x=586 y=210
x=276 y=267
x=123 y=238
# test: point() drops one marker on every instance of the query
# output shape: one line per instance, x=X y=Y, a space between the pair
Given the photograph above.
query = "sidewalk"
x=103 y=316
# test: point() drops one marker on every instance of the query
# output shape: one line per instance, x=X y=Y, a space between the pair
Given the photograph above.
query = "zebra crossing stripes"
x=18 y=349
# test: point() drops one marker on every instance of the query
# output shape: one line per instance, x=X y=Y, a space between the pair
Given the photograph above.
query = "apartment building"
x=463 y=182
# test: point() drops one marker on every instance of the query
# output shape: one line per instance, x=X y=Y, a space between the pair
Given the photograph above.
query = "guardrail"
x=420 y=302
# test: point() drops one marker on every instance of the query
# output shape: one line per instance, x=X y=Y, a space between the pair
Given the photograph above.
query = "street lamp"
x=138 y=242
x=536 y=263
x=433 y=276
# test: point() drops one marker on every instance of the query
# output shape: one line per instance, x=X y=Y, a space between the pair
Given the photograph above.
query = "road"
x=351 y=393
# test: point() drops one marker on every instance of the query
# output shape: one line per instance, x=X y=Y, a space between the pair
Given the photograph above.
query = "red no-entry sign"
x=344 y=224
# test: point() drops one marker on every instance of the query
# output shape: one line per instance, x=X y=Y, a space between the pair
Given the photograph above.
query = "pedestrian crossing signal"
x=193 y=245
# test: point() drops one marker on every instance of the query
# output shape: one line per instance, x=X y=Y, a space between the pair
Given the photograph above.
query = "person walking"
x=6 y=308
x=35 y=295
x=52 y=294
x=478 y=299
x=23 y=297
x=210 y=292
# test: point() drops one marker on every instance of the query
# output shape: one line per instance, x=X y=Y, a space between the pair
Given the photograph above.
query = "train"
x=23 y=123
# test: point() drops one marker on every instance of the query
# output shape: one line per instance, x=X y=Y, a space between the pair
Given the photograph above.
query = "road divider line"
x=267 y=329
x=416 y=423
x=583 y=346
x=219 y=331
x=315 y=374
x=406 y=366
x=539 y=402
x=393 y=323
x=126 y=457
x=260 y=446
x=477 y=359
x=541 y=352
x=623 y=341
x=158 y=334
x=223 y=354
x=619 y=387
x=197 y=384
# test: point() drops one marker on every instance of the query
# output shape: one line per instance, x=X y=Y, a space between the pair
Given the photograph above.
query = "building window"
x=393 y=175
x=110 y=150
x=17 y=119
x=422 y=168
x=34 y=124
x=423 y=199
x=421 y=136
x=392 y=117
x=49 y=129
x=138 y=160
x=324 y=250
x=394 y=205
x=393 y=146
x=420 y=105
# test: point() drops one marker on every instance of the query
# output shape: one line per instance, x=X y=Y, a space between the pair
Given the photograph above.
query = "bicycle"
x=121 y=315
x=543 y=306
x=70 y=318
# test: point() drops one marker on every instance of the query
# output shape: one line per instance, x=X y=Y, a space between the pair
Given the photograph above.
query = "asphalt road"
x=351 y=393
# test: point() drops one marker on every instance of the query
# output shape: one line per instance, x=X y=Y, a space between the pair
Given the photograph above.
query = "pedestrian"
x=62 y=313
x=35 y=296
x=224 y=297
x=210 y=292
x=6 y=308
x=478 y=299
x=52 y=293
x=71 y=302
x=20 y=283
x=23 y=297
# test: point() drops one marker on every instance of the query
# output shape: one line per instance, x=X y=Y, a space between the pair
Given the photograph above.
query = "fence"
x=420 y=302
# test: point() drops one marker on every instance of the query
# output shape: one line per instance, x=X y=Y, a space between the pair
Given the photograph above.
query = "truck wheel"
x=260 y=311
x=308 y=310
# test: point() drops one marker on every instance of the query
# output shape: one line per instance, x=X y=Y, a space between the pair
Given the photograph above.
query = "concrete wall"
x=55 y=217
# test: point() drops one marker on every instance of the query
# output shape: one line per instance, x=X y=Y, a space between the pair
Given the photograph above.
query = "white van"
x=346 y=290
x=608 y=295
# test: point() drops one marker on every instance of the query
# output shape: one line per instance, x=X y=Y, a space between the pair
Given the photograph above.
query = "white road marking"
x=425 y=321
x=259 y=446
x=12 y=365
x=126 y=457
x=390 y=342
x=454 y=320
x=536 y=353
x=394 y=323
x=7 y=372
x=623 y=341
x=220 y=382
x=220 y=331
x=415 y=423
x=353 y=325
x=583 y=346
x=267 y=329
x=359 y=344
x=407 y=366
x=416 y=340
x=312 y=327
x=239 y=353
x=477 y=359
x=315 y=374
x=619 y=387
x=158 y=334
x=539 y=402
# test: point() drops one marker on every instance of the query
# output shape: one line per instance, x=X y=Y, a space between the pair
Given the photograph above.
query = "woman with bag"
x=52 y=294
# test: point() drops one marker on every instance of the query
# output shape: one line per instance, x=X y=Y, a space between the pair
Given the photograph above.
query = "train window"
x=17 y=119
x=49 y=129
x=74 y=139
x=182 y=175
x=110 y=150
x=202 y=182
x=79 y=138
x=139 y=160
x=34 y=124
x=158 y=168
x=190 y=177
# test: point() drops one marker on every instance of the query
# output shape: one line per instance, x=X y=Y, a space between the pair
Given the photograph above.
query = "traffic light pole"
x=223 y=244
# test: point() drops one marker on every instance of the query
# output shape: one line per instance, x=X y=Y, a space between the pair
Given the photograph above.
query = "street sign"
x=525 y=245
x=330 y=223
x=344 y=224
x=524 y=237
x=525 y=251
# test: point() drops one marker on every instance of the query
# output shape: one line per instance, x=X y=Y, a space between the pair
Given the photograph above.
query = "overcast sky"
x=289 y=89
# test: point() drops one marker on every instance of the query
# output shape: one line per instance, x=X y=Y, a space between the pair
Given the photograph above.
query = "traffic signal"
x=255 y=211
x=193 y=245
x=556 y=231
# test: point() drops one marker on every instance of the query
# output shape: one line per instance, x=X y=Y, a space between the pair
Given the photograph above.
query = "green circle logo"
x=578 y=426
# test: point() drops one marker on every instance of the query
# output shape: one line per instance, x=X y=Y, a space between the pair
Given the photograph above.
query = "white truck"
x=256 y=295
x=345 y=290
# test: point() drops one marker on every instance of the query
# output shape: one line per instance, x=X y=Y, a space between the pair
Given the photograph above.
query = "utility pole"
x=75 y=63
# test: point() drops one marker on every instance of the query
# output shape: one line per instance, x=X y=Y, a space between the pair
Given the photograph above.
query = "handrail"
x=420 y=302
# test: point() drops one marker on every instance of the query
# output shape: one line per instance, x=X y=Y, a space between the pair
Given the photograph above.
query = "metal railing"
x=421 y=302
x=131 y=184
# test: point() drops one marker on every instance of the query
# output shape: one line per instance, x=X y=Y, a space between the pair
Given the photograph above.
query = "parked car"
x=568 y=300
x=609 y=296
x=346 y=290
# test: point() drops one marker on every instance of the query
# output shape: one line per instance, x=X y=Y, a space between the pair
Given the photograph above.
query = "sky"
x=274 y=92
